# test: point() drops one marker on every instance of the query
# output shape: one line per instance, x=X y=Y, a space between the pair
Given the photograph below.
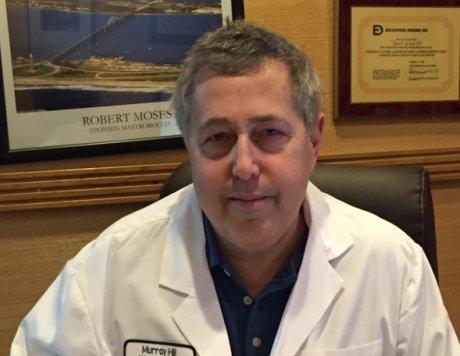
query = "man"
x=252 y=259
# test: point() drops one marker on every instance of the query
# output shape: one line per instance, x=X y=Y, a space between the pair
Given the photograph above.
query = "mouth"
x=249 y=201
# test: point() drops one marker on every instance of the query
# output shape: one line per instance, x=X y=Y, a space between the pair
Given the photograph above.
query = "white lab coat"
x=364 y=288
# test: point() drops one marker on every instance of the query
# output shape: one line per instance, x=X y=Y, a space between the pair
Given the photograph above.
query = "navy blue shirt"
x=251 y=323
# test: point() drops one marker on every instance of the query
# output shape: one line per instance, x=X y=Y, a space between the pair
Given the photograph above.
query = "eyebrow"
x=226 y=121
x=267 y=118
x=214 y=121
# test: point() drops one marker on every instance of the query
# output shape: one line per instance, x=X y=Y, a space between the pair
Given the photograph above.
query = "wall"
x=51 y=209
x=446 y=197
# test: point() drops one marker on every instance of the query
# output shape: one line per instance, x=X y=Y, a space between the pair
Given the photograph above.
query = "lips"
x=249 y=201
x=248 y=198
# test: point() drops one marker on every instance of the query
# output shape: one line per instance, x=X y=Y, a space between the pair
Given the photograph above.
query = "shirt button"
x=256 y=342
x=247 y=300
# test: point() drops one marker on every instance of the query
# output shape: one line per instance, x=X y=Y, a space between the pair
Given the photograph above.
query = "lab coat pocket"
x=374 y=348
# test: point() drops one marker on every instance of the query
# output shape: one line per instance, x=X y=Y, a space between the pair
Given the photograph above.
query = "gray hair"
x=237 y=49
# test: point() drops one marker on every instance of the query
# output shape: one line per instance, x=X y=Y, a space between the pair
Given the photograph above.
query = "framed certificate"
x=396 y=58
x=82 y=78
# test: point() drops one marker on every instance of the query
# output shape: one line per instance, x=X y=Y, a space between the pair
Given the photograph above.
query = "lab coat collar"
x=185 y=272
x=318 y=284
x=326 y=225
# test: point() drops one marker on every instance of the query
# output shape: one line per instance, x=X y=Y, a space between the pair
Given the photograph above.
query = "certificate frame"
x=344 y=107
x=98 y=117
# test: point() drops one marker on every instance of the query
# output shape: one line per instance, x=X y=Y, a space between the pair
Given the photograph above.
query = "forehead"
x=263 y=92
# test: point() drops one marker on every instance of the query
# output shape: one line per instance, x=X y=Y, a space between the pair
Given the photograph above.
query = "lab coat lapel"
x=318 y=285
x=185 y=271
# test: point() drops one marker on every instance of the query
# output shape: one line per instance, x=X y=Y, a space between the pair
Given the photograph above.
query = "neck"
x=256 y=269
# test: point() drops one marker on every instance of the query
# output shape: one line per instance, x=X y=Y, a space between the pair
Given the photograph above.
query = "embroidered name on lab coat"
x=156 y=348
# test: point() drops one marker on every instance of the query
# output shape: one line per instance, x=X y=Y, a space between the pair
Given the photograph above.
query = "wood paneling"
x=446 y=199
x=141 y=182
x=82 y=186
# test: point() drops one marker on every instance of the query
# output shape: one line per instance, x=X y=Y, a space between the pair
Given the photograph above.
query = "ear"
x=317 y=134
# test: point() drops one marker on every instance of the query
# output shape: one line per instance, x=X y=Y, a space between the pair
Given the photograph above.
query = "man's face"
x=251 y=157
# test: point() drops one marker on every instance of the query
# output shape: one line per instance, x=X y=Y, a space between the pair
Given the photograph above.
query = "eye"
x=271 y=132
x=218 y=137
x=270 y=139
x=218 y=144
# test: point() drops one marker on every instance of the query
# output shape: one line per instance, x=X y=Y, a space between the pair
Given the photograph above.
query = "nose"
x=245 y=163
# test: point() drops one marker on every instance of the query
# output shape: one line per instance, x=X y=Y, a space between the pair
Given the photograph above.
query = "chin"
x=262 y=233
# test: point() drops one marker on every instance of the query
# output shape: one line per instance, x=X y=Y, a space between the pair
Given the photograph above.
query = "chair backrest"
x=399 y=194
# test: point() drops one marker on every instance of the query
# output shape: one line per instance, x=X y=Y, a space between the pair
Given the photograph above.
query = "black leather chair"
x=398 y=194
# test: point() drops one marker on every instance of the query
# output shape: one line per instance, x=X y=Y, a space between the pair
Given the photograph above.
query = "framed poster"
x=89 y=77
x=397 y=58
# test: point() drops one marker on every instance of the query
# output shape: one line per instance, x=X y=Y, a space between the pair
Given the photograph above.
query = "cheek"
x=293 y=192
x=208 y=178
x=293 y=177
x=209 y=187
x=294 y=183
x=306 y=159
